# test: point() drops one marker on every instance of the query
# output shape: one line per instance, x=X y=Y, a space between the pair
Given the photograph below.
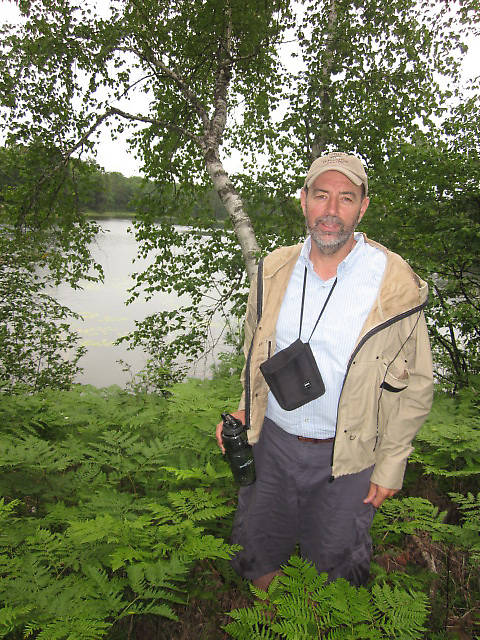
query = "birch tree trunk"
x=232 y=201
x=209 y=140
x=322 y=137
x=241 y=222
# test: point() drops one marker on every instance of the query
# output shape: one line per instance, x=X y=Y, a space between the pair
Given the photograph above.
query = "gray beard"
x=328 y=244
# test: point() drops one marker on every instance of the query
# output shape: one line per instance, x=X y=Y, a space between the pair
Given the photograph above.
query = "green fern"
x=11 y=617
x=410 y=516
x=73 y=628
x=202 y=475
x=302 y=604
x=448 y=445
x=402 y=613
x=97 y=526
x=27 y=451
x=468 y=535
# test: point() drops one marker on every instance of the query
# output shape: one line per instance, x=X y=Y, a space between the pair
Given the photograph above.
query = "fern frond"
x=410 y=516
x=123 y=556
x=103 y=527
x=12 y=617
x=340 y=611
x=249 y=623
x=104 y=587
x=161 y=573
x=206 y=546
x=205 y=474
x=349 y=605
x=30 y=452
x=161 y=513
x=403 y=614
x=74 y=629
x=152 y=608
x=469 y=506
x=448 y=444
x=258 y=593
x=7 y=508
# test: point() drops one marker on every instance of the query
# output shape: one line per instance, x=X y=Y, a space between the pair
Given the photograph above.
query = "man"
x=324 y=467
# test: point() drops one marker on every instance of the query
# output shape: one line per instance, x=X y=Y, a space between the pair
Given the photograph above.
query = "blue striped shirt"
x=358 y=281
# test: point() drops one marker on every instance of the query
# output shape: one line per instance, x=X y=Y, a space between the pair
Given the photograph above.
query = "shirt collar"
x=346 y=264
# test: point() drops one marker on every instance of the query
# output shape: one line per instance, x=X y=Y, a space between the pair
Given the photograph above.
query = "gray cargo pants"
x=293 y=502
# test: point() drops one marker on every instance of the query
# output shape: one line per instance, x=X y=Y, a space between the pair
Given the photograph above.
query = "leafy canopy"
x=277 y=83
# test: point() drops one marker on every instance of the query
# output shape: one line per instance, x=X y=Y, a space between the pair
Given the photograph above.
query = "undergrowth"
x=109 y=502
x=116 y=512
x=302 y=604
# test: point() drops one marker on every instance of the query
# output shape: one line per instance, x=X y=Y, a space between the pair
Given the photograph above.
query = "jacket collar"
x=400 y=290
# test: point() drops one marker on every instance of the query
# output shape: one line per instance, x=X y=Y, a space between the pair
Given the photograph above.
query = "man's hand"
x=240 y=415
x=377 y=494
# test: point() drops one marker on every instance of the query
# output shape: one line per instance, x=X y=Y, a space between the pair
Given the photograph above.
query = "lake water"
x=106 y=317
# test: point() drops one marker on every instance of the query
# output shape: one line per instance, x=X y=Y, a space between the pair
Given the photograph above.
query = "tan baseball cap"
x=349 y=165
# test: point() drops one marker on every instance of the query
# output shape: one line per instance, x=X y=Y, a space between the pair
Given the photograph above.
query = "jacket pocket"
x=393 y=386
x=358 y=402
x=395 y=381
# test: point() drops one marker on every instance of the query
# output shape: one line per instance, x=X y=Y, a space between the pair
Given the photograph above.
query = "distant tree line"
x=94 y=189
x=111 y=191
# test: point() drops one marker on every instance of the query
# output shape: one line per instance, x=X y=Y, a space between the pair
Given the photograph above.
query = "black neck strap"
x=303 y=302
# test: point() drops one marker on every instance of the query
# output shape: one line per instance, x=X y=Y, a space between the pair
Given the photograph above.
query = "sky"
x=114 y=155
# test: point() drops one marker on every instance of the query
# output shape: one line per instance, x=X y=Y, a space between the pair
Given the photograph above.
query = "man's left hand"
x=377 y=494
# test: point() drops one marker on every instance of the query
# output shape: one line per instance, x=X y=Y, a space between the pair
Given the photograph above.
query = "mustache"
x=328 y=220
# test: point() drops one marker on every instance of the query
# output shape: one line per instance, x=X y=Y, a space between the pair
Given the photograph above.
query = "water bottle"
x=237 y=450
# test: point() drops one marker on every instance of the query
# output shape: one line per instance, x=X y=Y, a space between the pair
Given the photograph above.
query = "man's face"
x=332 y=208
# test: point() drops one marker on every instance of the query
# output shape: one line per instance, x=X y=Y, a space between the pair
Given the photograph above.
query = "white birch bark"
x=321 y=139
x=210 y=139
x=241 y=222
x=211 y=142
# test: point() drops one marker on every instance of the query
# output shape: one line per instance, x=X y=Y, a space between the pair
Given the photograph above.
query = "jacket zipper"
x=249 y=355
x=366 y=337
x=247 y=384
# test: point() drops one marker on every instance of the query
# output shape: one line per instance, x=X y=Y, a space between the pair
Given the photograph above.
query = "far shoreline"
x=106 y=215
x=131 y=215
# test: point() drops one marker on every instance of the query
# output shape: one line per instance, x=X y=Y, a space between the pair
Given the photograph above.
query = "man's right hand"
x=240 y=415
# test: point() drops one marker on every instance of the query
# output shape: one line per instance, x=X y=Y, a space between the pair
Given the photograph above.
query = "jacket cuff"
x=241 y=404
x=389 y=473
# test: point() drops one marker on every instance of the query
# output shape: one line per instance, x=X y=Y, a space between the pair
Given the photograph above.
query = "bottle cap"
x=231 y=426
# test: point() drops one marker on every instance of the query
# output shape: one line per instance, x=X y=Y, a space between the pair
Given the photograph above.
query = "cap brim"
x=346 y=172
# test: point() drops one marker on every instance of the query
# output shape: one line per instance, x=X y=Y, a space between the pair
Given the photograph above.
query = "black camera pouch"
x=293 y=376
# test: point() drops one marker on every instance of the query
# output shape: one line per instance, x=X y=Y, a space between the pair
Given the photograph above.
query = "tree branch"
x=122 y=95
x=177 y=79
x=158 y=123
x=63 y=162
x=85 y=136
x=457 y=359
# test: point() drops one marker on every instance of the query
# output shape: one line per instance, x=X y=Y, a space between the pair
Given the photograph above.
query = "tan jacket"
x=388 y=387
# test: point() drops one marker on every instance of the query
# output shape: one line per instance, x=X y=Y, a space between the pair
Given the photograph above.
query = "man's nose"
x=333 y=205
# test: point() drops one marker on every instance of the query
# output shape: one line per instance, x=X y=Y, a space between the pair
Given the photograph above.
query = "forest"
x=116 y=505
x=101 y=193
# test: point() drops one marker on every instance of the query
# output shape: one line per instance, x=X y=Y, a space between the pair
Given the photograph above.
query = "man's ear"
x=364 y=207
x=303 y=199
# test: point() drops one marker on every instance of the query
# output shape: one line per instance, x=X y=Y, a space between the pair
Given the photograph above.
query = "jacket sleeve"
x=407 y=417
x=249 y=330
